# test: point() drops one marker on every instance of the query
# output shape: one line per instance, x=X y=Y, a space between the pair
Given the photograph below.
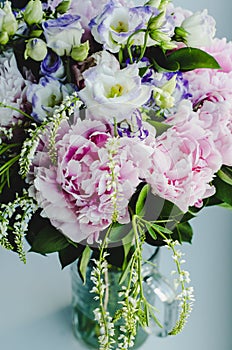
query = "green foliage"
x=225 y=174
x=223 y=191
x=139 y=207
x=184 y=59
x=49 y=240
x=83 y=262
x=69 y=254
x=189 y=58
x=160 y=127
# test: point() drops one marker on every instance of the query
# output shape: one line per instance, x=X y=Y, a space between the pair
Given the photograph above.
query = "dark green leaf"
x=183 y=232
x=223 y=191
x=142 y=71
x=225 y=174
x=48 y=240
x=226 y=206
x=151 y=232
x=69 y=254
x=141 y=200
x=118 y=232
x=83 y=262
x=160 y=127
x=164 y=68
x=161 y=229
x=191 y=58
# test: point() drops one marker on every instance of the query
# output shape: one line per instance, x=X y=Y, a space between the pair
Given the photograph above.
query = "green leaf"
x=162 y=229
x=183 y=232
x=225 y=174
x=192 y=58
x=162 y=67
x=69 y=254
x=141 y=200
x=48 y=240
x=118 y=232
x=151 y=232
x=125 y=272
x=226 y=206
x=223 y=191
x=83 y=262
x=160 y=127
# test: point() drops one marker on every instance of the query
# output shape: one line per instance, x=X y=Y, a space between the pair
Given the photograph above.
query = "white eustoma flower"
x=63 y=33
x=111 y=93
x=46 y=96
x=117 y=23
x=201 y=29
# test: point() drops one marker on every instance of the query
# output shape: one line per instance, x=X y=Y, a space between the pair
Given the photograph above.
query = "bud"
x=181 y=35
x=63 y=6
x=4 y=38
x=80 y=53
x=156 y=22
x=9 y=23
x=33 y=13
x=36 y=49
x=163 y=95
x=153 y=3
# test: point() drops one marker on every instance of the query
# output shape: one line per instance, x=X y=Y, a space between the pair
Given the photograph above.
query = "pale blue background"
x=35 y=298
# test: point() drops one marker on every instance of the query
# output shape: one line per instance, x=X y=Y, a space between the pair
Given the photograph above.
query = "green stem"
x=17 y=110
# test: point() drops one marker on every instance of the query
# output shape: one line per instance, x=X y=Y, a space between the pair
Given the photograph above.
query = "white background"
x=35 y=298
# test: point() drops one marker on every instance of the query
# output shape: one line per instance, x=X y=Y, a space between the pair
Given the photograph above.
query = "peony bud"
x=36 y=49
x=80 y=53
x=33 y=13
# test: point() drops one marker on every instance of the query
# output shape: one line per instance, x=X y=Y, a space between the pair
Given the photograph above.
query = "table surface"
x=35 y=310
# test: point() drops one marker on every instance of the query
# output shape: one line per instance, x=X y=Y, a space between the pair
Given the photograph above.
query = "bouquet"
x=116 y=130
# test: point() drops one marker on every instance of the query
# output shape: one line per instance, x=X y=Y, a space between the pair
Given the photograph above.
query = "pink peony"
x=209 y=84
x=184 y=161
x=95 y=176
x=217 y=118
x=221 y=50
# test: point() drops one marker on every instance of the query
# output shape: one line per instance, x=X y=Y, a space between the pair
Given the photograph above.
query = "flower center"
x=116 y=91
x=120 y=27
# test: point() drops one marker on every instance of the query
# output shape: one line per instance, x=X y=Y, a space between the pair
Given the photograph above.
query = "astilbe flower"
x=90 y=186
x=12 y=88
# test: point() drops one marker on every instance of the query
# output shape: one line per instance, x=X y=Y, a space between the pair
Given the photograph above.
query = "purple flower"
x=52 y=66
x=46 y=96
x=117 y=23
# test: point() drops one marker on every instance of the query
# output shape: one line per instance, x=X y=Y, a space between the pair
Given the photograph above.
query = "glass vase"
x=157 y=290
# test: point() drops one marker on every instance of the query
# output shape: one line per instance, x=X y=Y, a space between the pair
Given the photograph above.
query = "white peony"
x=12 y=88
